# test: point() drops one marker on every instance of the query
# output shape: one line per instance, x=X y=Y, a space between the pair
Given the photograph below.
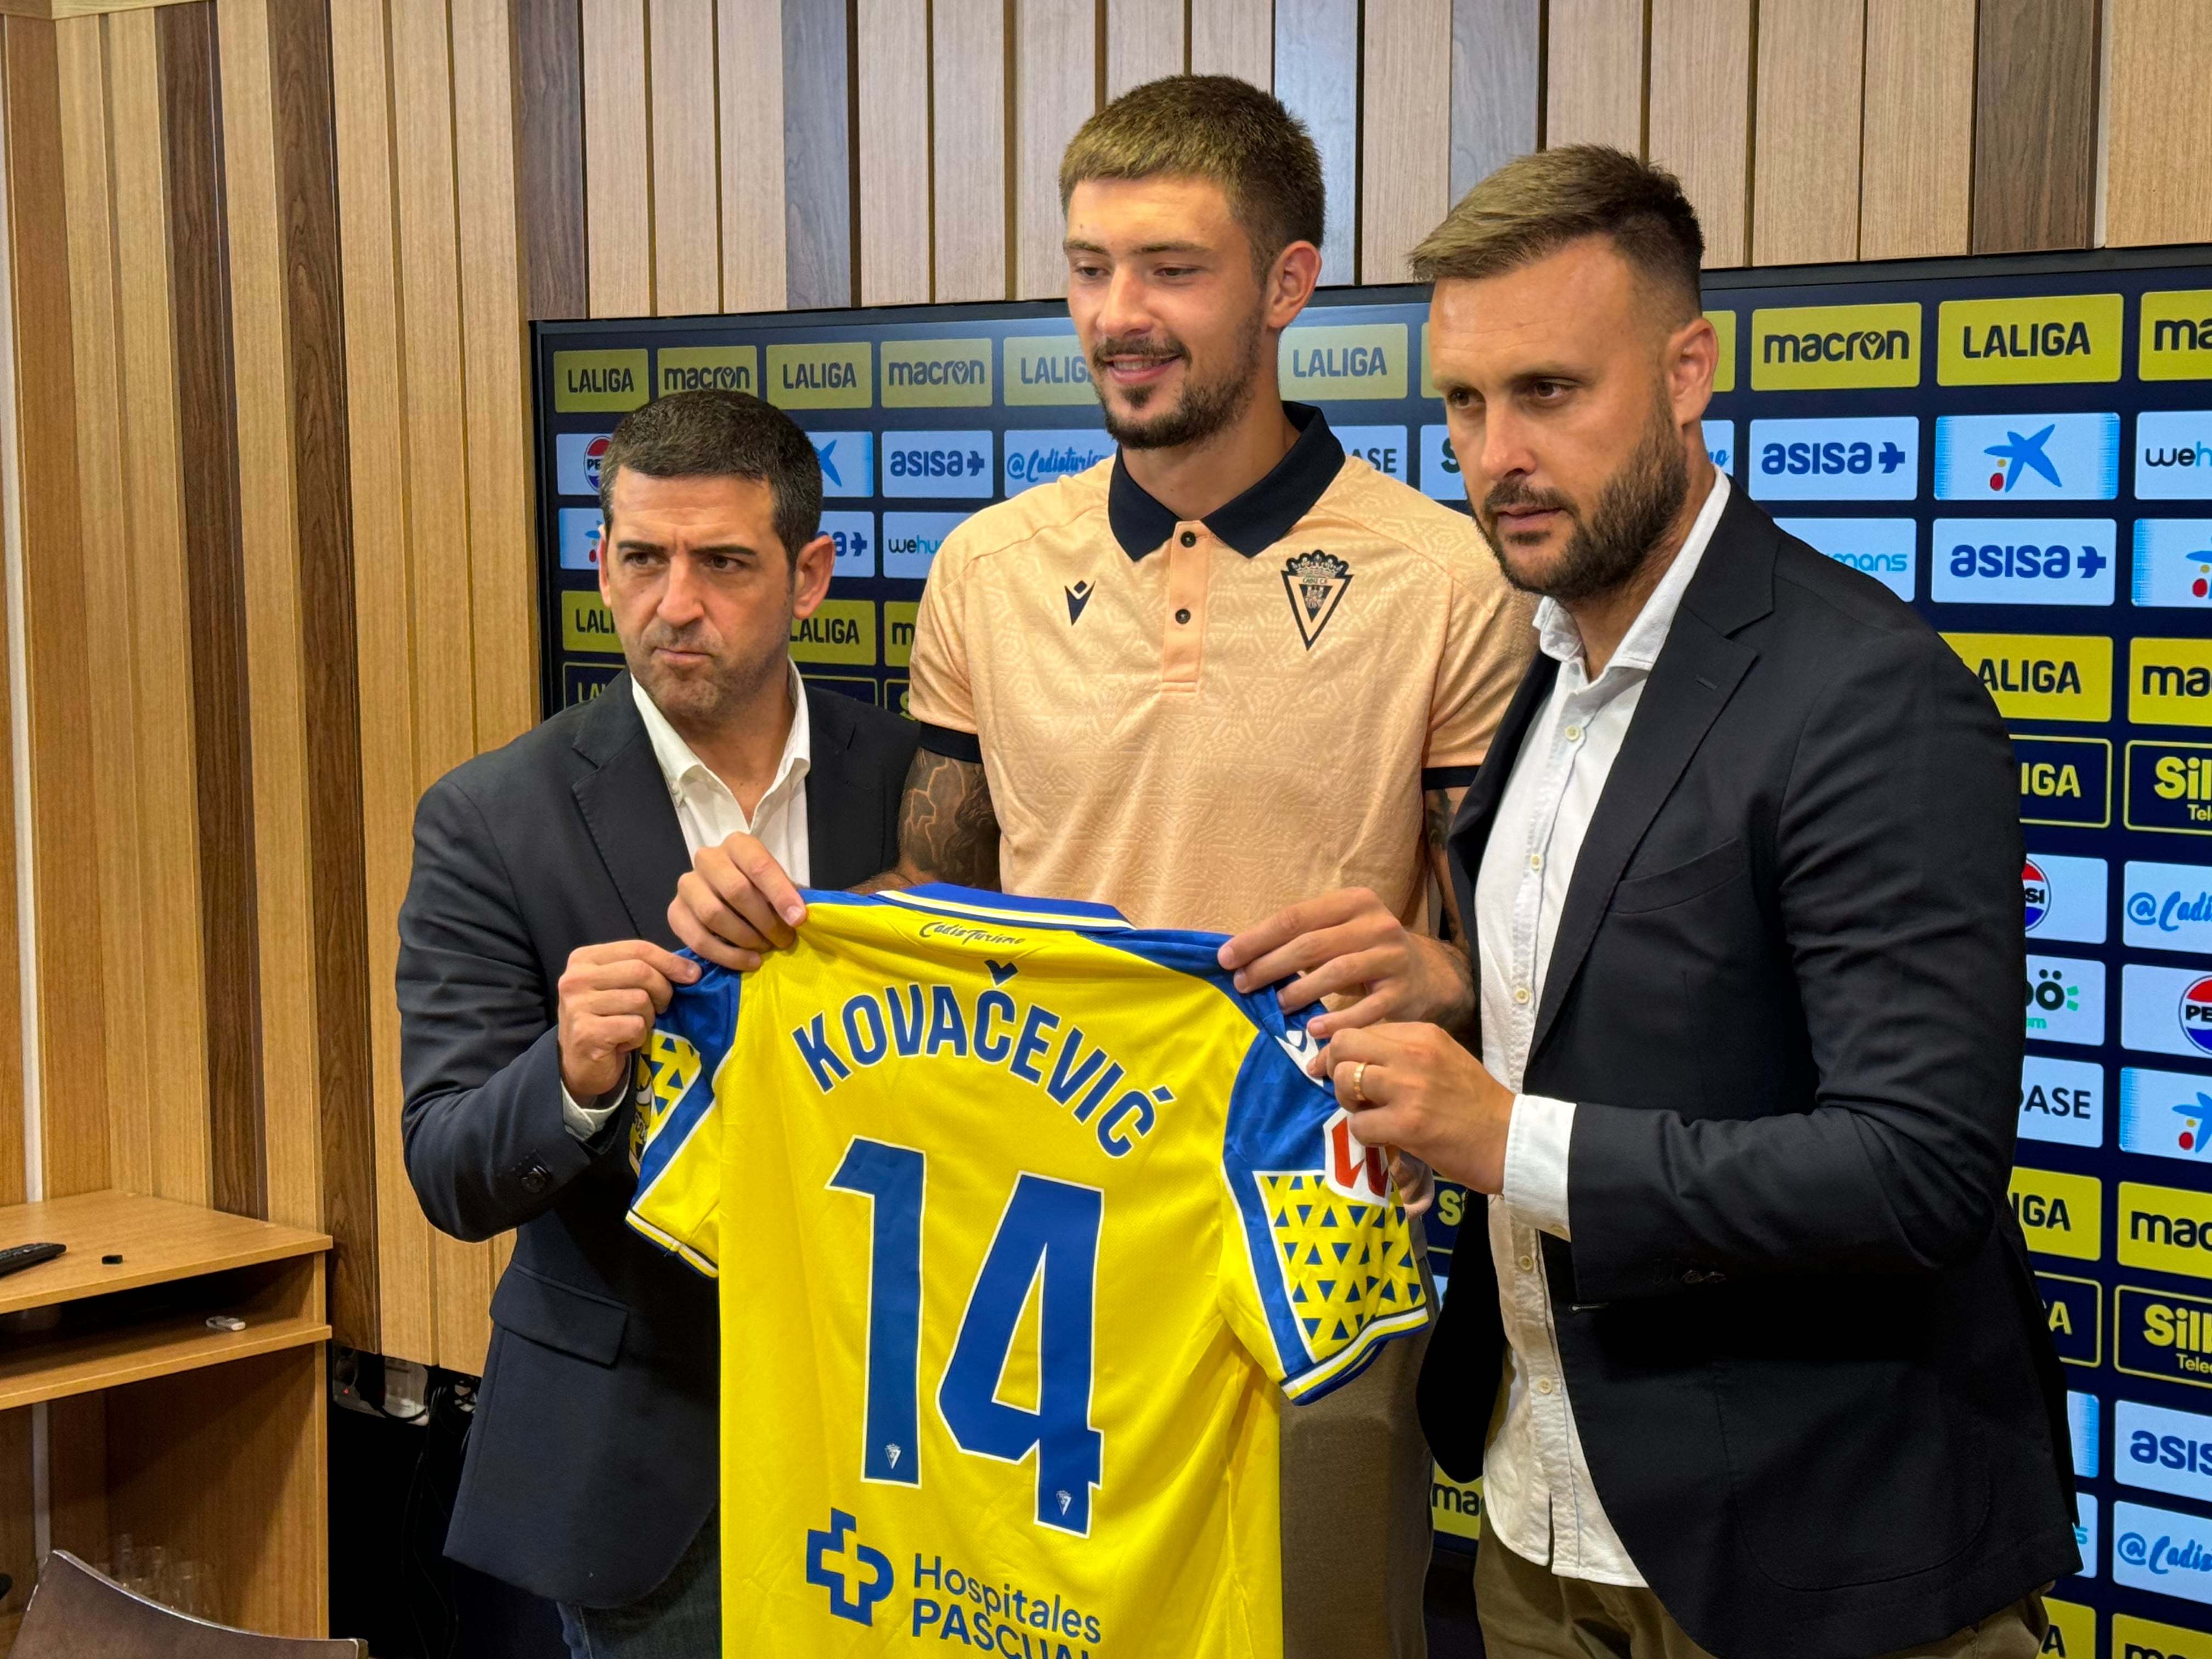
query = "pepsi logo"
x=2035 y=891
x=2197 y=1013
x=594 y=452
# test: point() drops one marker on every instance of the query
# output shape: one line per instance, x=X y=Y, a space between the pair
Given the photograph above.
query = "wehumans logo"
x=1804 y=347
x=856 y=1578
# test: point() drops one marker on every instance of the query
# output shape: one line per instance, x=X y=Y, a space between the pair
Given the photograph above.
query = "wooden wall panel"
x=1594 y=70
x=330 y=726
x=549 y=66
x=1497 y=74
x=1317 y=52
x=1055 y=77
x=65 y=908
x=200 y=303
x=1405 y=151
x=617 y=159
x=687 y=229
x=110 y=597
x=1233 y=37
x=376 y=479
x=892 y=52
x=169 y=824
x=2158 y=144
x=974 y=222
x=1701 y=114
x=817 y=152
x=1916 y=163
x=749 y=43
x=2035 y=120
x=1805 y=197
x=1145 y=41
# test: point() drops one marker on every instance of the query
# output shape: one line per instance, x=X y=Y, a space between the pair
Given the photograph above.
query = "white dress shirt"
x=1538 y=1496
x=708 y=814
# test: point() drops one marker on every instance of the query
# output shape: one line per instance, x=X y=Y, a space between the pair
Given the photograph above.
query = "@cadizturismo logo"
x=2163 y=1555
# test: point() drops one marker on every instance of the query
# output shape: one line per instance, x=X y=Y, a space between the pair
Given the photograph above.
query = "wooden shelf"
x=159 y=1240
x=77 y=1362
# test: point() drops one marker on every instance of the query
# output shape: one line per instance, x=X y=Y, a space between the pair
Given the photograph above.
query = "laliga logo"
x=2035 y=890
x=870 y=1568
x=2197 y=1014
x=1354 y=1170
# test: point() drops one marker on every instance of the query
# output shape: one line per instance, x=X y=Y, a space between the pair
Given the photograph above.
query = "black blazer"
x=1806 y=1355
x=592 y=1459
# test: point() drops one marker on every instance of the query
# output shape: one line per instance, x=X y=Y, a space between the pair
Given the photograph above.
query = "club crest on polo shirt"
x=1316 y=582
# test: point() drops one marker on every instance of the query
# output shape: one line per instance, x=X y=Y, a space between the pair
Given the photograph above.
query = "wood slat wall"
x=270 y=266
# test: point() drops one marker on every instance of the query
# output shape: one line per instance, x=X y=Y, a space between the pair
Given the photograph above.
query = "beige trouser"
x=1527 y=1613
x=1356 y=1530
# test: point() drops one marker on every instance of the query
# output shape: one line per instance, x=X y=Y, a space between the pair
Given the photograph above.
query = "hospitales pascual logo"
x=938 y=464
x=2042 y=677
x=2174 y=454
x=1880 y=548
x=2027 y=458
x=2062 y=1100
x=2060 y=1214
x=2174 y=563
x=2168 y=907
x=2159 y=1550
x=2022 y=561
x=848 y=462
x=2167 y=1011
x=1876 y=457
x=2065 y=1000
x=576 y=462
x=856 y=1575
x=2065 y=779
x=1830 y=348
x=2044 y=340
x=2170 y=682
x=2063 y=898
x=1037 y=458
x=2173 y=341
x=2165 y=1115
x=937 y=373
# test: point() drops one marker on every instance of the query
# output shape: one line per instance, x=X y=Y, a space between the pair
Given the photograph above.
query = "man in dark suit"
x=534 y=953
x=1761 y=1369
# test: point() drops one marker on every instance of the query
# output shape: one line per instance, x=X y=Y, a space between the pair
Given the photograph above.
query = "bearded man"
x=534 y=952
x=1213 y=682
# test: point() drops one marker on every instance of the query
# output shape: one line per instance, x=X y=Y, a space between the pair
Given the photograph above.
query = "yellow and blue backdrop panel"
x=1025 y=1221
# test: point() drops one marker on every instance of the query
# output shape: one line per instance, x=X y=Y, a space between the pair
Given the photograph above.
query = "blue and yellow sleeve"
x=676 y=1134
x=1318 y=1270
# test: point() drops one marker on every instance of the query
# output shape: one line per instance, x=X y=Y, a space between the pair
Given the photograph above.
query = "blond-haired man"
x=1212 y=683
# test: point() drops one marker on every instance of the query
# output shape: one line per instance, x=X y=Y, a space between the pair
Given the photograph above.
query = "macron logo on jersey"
x=832 y=1565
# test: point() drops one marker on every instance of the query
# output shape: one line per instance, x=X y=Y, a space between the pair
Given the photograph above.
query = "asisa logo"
x=2027 y=458
x=856 y=1575
x=1877 y=458
x=2023 y=560
x=2173 y=562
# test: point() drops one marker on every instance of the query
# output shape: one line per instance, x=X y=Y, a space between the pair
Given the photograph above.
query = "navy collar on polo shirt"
x=1256 y=519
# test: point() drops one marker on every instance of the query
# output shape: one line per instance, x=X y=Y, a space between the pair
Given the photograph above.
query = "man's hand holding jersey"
x=735 y=903
x=1415 y=1087
x=609 y=996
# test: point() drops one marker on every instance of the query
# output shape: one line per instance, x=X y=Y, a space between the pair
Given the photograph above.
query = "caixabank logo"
x=2165 y=1115
x=2027 y=458
x=2173 y=565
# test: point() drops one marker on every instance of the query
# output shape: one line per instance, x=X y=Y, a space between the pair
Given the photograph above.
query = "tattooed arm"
x=947 y=830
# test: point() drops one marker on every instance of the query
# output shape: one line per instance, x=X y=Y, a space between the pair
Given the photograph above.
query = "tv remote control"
x=16 y=1257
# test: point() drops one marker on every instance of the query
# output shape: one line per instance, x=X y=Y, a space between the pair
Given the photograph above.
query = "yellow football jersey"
x=1024 y=1219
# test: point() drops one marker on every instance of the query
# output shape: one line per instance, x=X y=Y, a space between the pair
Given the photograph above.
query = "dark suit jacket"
x=1806 y=1355
x=591 y=1461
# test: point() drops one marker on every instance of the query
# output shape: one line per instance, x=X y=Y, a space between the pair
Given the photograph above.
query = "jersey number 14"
x=1048 y=1227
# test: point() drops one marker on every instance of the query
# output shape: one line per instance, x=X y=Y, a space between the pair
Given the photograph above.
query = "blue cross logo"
x=2016 y=453
x=831 y=1566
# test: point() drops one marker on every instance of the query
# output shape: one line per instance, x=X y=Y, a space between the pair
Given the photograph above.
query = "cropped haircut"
x=721 y=434
x=1535 y=204
x=1218 y=128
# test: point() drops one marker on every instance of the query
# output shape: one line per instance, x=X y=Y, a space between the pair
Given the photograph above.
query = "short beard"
x=1206 y=410
x=1634 y=509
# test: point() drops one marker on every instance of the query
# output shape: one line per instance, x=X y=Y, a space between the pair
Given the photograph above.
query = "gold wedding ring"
x=1358 y=1083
